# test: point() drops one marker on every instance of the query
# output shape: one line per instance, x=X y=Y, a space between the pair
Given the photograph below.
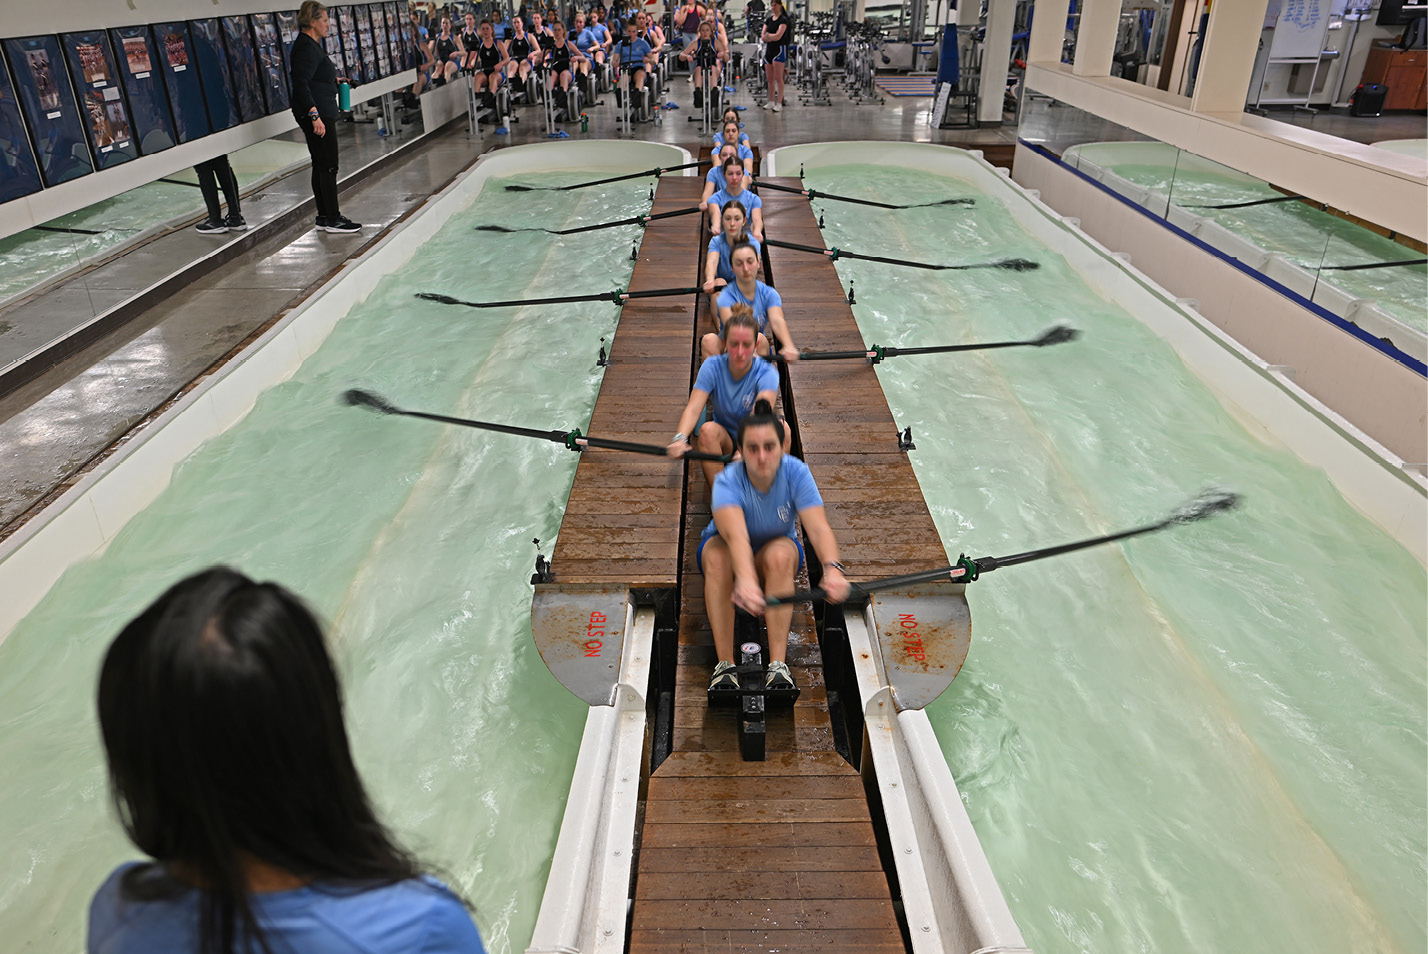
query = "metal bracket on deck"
x=580 y=630
x=924 y=633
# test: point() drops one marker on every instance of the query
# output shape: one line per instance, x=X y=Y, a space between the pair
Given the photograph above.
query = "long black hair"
x=222 y=720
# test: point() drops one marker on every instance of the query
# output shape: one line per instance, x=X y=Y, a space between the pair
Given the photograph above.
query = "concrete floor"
x=66 y=418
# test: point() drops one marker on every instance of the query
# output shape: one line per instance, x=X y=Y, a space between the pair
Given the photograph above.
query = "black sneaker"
x=698 y=97
x=211 y=227
x=235 y=223
x=342 y=224
x=321 y=224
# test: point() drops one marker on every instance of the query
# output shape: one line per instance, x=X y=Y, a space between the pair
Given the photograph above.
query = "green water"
x=413 y=539
x=1208 y=739
x=31 y=257
x=1306 y=236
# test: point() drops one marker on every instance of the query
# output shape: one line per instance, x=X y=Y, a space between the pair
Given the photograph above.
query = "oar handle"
x=963 y=571
x=654 y=450
x=660 y=293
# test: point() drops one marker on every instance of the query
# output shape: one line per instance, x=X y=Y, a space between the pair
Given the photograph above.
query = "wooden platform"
x=781 y=855
x=622 y=521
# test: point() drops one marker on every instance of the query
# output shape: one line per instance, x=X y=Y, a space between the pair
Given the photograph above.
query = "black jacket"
x=314 y=79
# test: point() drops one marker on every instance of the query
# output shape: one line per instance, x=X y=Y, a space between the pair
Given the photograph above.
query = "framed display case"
x=243 y=67
x=19 y=175
x=50 y=109
x=215 y=73
x=101 y=98
x=179 y=65
x=272 y=61
x=141 y=72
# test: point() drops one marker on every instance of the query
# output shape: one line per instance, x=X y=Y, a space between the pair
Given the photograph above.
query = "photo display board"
x=50 y=109
x=243 y=67
x=351 y=53
x=288 y=30
x=272 y=64
x=370 y=70
x=180 y=69
x=101 y=96
x=332 y=43
x=141 y=71
x=217 y=78
x=379 y=40
x=19 y=175
x=394 y=37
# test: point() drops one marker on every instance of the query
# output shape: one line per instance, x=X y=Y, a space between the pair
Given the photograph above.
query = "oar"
x=55 y=228
x=815 y=194
x=1246 y=205
x=573 y=440
x=656 y=172
x=1014 y=264
x=633 y=220
x=1359 y=268
x=966 y=570
x=616 y=297
x=1053 y=336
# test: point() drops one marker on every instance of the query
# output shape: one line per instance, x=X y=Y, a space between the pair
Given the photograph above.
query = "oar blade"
x=1018 y=264
x=1208 y=504
x=1058 y=335
x=439 y=299
x=525 y=188
x=359 y=398
x=502 y=228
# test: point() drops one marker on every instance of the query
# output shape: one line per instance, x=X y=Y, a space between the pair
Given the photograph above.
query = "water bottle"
x=344 y=97
x=584 y=123
x=381 y=123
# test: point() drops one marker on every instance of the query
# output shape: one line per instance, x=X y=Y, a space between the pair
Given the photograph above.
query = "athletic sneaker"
x=777 y=108
x=235 y=223
x=724 y=677
x=768 y=104
x=211 y=227
x=778 y=676
x=321 y=224
x=342 y=224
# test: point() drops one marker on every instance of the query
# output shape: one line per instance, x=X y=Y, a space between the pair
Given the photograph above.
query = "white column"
x=969 y=13
x=1048 y=31
x=1096 y=37
x=996 y=55
x=1231 y=42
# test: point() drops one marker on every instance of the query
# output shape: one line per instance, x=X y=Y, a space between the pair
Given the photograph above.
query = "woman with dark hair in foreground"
x=222 y=721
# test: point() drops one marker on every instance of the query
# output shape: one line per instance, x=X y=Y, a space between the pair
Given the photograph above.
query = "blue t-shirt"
x=599 y=31
x=742 y=152
x=586 y=40
x=730 y=400
x=720 y=244
x=632 y=52
x=747 y=199
x=765 y=297
x=420 y=916
x=716 y=176
x=767 y=516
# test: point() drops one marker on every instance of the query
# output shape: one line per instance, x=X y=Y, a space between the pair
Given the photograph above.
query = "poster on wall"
x=218 y=93
x=272 y=65
x=370 y=69
x=141 y=72
x=101 y=96
x=351 y=52
x=19 y=175
x=180 y=70
x=287 y=29
x=332 y=43
x=50 y=108
x=394 y=37
x=379 y=40
x=243 y=67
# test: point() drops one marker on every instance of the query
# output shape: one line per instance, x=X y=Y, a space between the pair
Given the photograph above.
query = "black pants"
x=324 y=165
x=211 y=175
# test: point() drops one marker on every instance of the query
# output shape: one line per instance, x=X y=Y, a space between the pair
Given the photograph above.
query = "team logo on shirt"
x=783 y=512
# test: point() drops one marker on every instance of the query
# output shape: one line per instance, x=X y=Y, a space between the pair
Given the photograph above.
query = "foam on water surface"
x=1207 y=739
x=413 y=539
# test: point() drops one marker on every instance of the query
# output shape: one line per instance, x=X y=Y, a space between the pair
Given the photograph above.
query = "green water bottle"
x=584 y=123
x=344 y=97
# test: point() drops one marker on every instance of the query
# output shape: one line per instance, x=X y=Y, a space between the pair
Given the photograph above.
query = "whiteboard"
x=1300 y=28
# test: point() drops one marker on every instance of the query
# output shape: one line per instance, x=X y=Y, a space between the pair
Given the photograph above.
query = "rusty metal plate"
x=579 y=629
x=924 y=632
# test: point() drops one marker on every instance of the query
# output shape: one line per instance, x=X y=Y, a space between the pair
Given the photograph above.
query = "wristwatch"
x=837 y=566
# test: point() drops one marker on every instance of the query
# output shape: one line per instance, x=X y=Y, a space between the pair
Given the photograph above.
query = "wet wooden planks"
x=849 y=438
x=778 y=855
x=622 y=520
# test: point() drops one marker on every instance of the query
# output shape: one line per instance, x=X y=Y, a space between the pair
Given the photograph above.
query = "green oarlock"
x=571 y=438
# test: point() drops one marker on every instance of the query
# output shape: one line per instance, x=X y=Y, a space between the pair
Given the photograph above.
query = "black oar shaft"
x=657 y=171
x=1246 y=205
x=632 y=220
x=654 y=450
x=987 y=564
x=556 y=436
x=662 y=293
x=1359 y=268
